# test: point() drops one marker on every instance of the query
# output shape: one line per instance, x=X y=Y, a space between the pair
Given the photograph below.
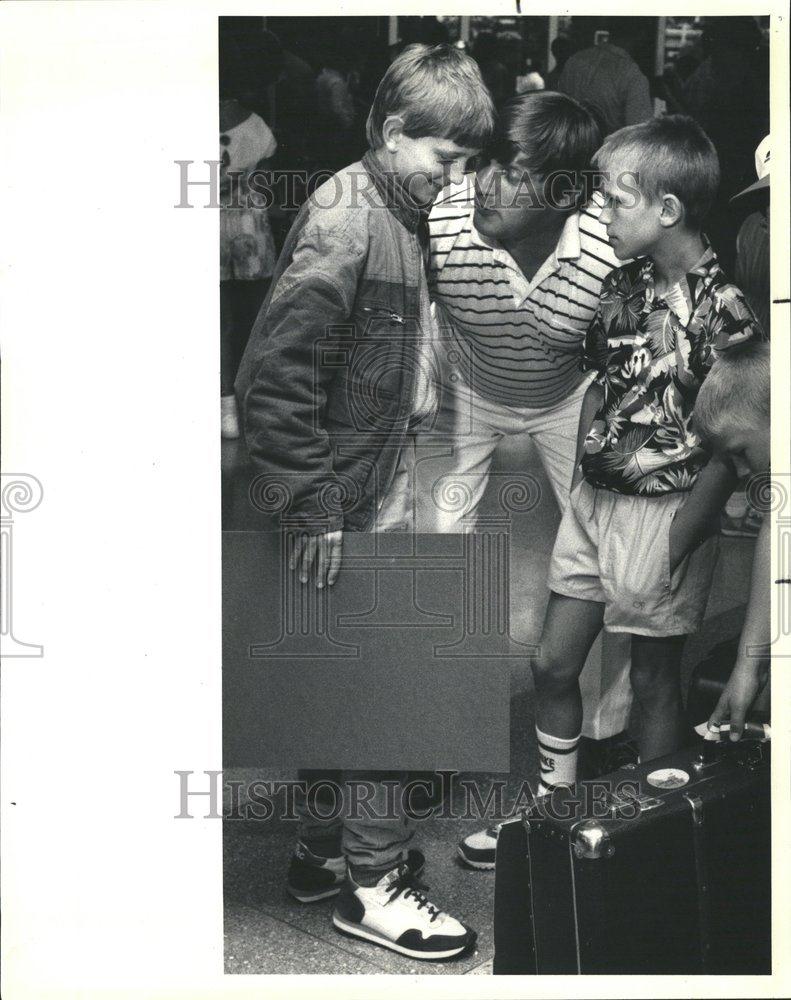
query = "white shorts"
x=614 y=549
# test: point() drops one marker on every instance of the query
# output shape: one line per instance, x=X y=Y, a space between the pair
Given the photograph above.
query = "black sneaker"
x=396 y=914
x=312 y=878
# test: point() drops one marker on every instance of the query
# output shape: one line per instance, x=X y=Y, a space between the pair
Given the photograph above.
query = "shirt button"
x=639 y=605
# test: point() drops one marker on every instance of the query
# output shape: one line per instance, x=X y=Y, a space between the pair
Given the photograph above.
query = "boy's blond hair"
x=672 y=155
x=438 y=91
x=737 y=387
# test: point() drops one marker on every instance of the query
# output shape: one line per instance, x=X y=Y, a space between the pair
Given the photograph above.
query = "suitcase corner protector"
x=590 y=840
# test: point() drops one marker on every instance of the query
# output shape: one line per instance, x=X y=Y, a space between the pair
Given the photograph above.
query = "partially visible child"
x=732 y=417
x=740 y=519
x=629 y=555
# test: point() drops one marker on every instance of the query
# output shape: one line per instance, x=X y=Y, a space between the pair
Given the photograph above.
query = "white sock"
x=558 y=759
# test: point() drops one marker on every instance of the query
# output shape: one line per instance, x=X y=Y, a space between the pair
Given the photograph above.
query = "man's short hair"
x=672 y=155
x=737 y=387
x=552 y=131
x=438 y=91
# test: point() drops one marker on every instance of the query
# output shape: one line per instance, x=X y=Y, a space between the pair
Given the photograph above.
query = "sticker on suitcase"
x=668 y=777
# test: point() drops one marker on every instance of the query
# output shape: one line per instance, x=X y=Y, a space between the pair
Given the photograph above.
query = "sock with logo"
x=558 y=759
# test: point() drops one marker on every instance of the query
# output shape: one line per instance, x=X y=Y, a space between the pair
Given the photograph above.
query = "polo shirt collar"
x=568 y=248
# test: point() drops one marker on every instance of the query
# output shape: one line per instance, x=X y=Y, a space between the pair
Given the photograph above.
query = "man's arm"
x=594 y=358
x=590 y=407
x=751 y=669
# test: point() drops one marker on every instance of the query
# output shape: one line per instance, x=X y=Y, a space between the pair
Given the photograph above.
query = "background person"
x=561 y=49
x=247 y=246
x=607 y=77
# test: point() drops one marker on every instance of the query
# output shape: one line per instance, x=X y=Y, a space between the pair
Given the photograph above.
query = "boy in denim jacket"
x=333 y=378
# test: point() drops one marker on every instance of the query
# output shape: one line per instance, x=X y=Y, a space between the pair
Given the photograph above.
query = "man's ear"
x=672 y=213
x=392 y=130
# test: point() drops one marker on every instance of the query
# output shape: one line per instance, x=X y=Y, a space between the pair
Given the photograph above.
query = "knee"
x=551 y=674
x=653 y=685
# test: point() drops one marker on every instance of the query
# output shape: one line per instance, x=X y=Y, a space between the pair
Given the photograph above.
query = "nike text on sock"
x=558 y=760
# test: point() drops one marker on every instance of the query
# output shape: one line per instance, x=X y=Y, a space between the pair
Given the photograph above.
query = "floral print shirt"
x=652 y=354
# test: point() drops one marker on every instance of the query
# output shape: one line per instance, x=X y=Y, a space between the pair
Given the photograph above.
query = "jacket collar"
x=393 y=194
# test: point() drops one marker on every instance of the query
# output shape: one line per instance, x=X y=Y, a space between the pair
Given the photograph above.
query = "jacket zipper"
x=384 y=313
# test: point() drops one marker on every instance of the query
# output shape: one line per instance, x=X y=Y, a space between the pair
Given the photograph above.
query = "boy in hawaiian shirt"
x=616 y=562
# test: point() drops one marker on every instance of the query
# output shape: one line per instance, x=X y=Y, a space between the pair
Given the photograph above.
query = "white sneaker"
x=229 y=418
x=396 y=914
x=479 y=850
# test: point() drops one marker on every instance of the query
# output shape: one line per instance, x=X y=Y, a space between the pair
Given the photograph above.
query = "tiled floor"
x=266 y=931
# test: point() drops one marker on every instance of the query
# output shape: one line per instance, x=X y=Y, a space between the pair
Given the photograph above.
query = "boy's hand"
x=744 y=686
x=318 y=553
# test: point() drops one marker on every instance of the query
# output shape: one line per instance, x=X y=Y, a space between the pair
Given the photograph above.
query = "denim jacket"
x=326 y=382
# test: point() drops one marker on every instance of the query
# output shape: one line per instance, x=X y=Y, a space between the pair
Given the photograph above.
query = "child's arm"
x=698 y=517
x=284 y=404
x=751 y=669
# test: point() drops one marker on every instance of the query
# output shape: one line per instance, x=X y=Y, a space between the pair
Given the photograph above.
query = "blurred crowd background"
x=309 y=82
x=312 y=79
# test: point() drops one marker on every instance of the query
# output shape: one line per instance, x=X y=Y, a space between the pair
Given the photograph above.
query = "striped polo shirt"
x=521 y=341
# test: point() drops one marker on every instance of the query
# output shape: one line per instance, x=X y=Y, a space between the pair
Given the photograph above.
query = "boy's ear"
x=672 y=213
x=392 y=130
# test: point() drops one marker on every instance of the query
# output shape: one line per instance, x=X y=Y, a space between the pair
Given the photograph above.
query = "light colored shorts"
x=614 y=549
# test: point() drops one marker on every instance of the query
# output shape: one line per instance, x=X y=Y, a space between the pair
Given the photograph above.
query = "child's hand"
x=318 y=553
x=743 y=687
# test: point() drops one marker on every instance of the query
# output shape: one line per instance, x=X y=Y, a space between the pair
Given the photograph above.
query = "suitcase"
x=622 y=876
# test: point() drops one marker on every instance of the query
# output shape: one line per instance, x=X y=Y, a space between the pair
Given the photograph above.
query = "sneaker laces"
x=408 y=884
